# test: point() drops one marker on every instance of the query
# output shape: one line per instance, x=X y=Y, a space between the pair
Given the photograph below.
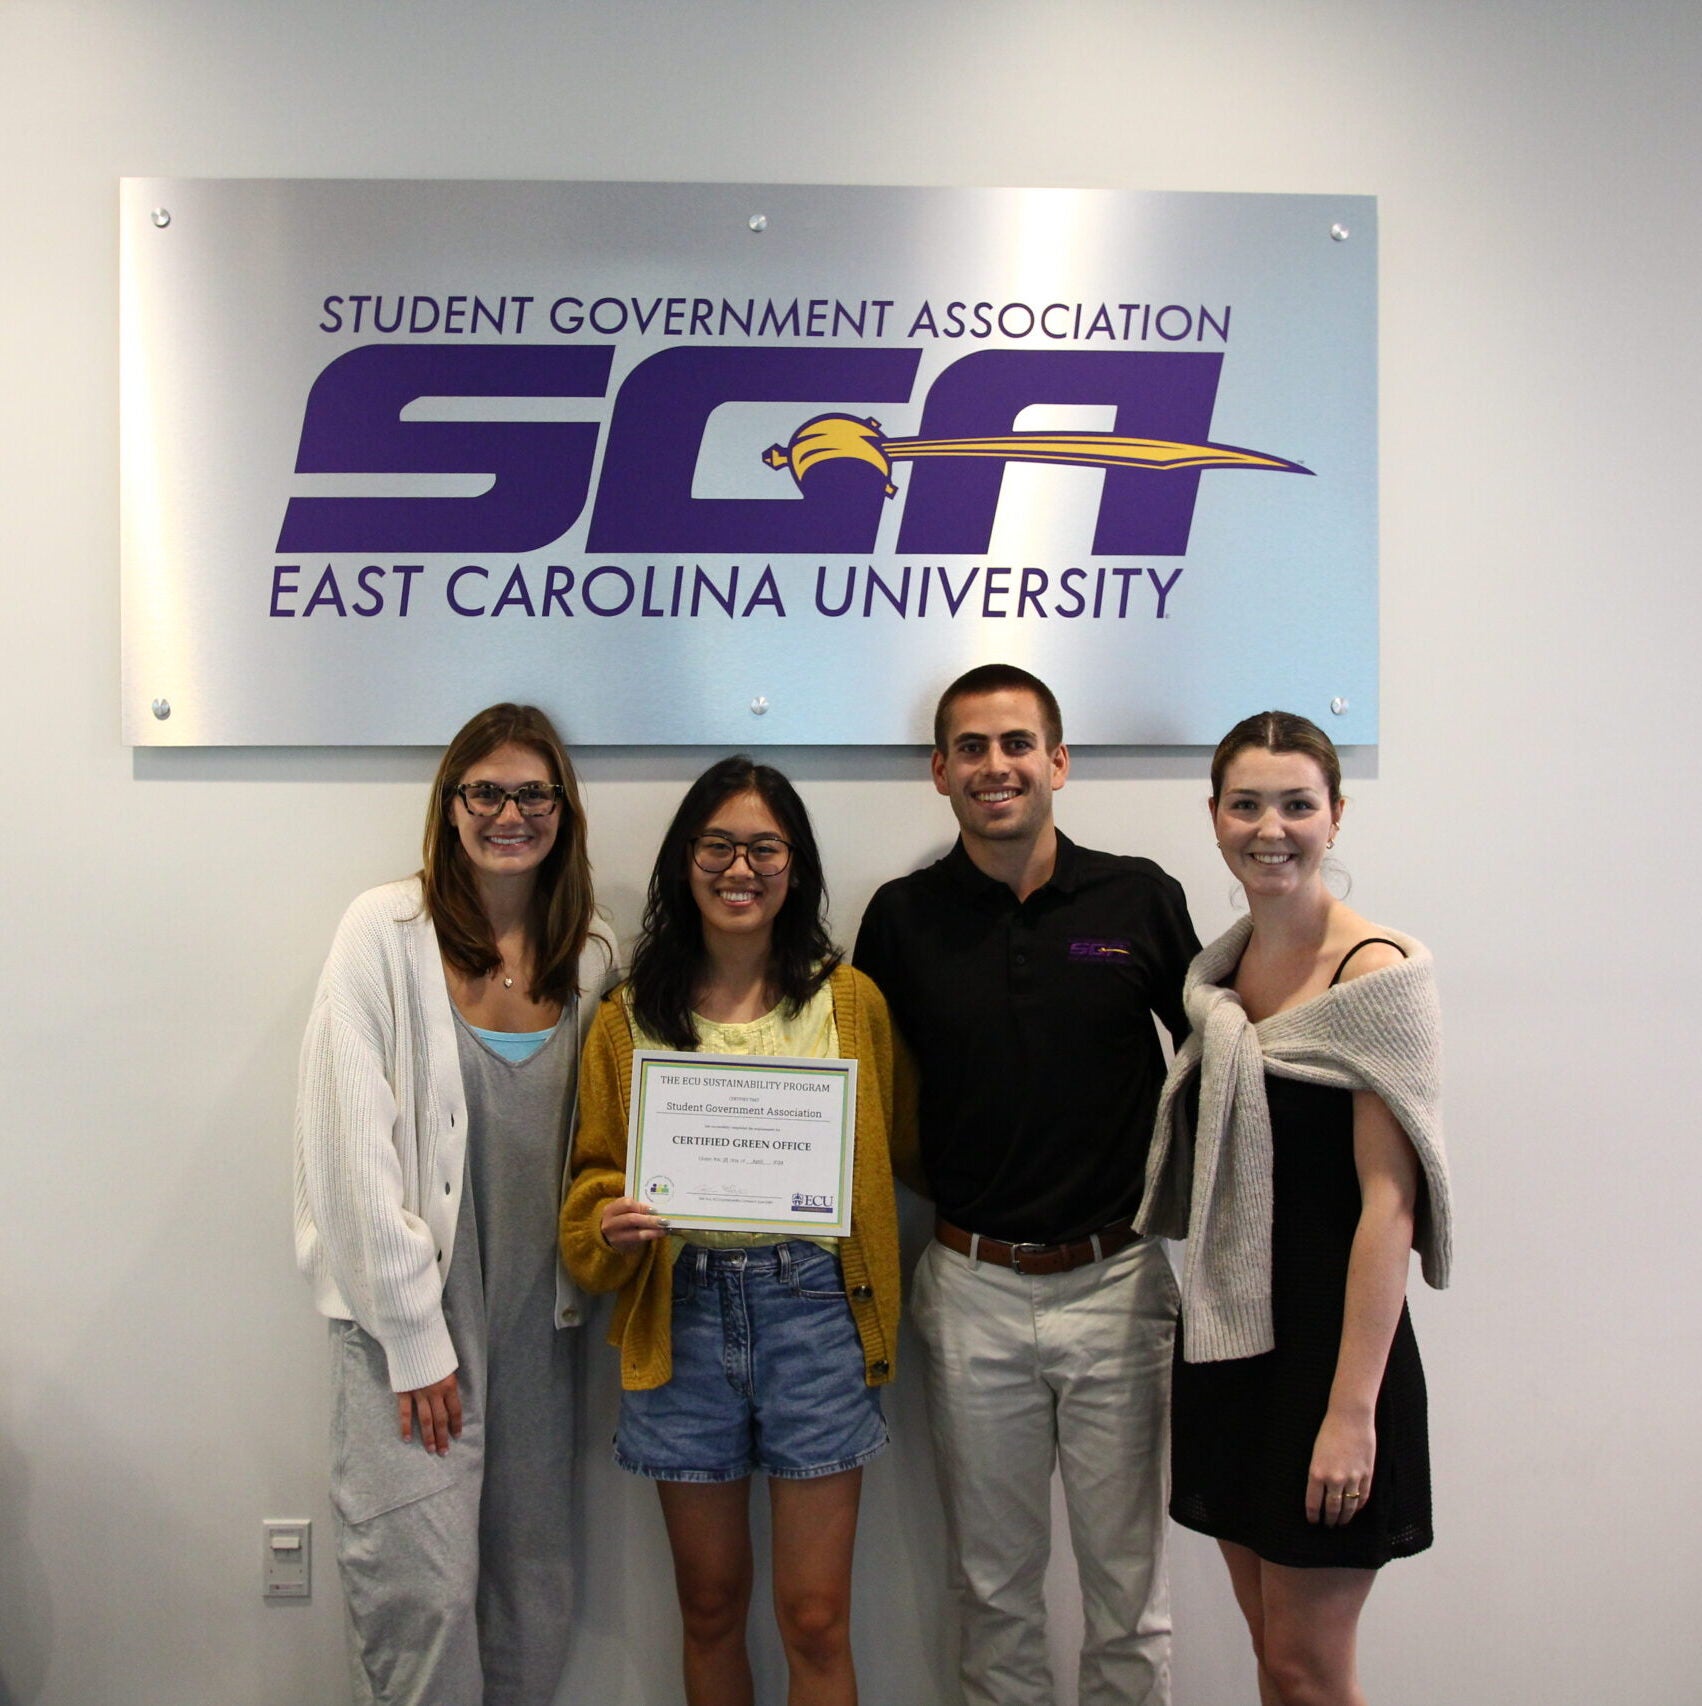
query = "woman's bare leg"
x=815 y=1531
x=1311 y=1633
x=709 y=1533
x=1245 y=1577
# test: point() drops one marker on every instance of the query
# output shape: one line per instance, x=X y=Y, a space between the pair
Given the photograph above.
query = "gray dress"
x=458 y=1569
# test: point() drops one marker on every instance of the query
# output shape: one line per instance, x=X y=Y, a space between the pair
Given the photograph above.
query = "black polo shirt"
x=1032 y=1027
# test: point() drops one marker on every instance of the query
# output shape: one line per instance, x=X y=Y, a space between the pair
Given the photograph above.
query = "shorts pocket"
x=816 y=1275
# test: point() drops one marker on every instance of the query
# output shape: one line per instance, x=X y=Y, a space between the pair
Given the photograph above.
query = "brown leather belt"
x=1038 y=1258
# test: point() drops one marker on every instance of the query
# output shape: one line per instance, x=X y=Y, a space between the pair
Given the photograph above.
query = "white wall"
x=1528 y=813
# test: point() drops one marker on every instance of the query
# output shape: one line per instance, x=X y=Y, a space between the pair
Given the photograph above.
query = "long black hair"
x=669 y=960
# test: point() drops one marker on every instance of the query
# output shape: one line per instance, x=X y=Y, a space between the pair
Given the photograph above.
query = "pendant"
x=508 y=983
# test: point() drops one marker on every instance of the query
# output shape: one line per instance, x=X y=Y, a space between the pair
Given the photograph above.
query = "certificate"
x=743 y=1142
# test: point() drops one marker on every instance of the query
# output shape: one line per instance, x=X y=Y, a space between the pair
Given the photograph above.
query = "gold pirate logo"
x=835 y=438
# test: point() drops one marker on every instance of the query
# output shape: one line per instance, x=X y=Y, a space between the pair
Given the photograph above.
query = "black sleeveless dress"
x=1242 y=1431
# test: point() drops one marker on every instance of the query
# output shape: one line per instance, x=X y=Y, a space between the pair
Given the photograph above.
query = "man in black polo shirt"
x=1025 y=973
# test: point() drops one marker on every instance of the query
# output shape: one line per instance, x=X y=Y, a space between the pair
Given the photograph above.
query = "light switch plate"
x=287 y=1558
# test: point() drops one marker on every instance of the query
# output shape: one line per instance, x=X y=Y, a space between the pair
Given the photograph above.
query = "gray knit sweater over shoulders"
x=1212 y=1186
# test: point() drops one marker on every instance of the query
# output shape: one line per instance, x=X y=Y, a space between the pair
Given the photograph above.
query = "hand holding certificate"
x=744 y=1143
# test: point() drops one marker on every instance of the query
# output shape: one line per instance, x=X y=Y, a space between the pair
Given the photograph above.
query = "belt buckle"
x=1017 y=1251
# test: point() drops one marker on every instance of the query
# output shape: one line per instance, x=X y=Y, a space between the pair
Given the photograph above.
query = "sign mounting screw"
x=161 y=216
x=759 y=706
x=162 y=709
x=1340 y=233
x=758 y=222
x=1339 y=706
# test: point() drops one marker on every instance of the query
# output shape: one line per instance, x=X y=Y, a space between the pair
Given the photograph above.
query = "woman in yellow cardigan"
x=745 y=1351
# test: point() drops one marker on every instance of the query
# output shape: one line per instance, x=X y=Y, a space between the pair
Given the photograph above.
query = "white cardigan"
x=381 y=1130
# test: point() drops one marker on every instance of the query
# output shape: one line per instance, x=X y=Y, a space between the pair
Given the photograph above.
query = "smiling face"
x=508 y=845
x=737 y=903
x=995 y=768
x=1274 y=820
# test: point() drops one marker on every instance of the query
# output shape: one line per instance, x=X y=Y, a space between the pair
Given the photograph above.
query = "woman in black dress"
x=1299 y=1148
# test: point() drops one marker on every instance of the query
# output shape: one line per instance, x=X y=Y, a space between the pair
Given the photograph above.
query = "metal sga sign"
x=735 y=465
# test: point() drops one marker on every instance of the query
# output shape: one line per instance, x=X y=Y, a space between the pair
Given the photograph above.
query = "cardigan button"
x=880 y=1367
x=862 y=1293
x=446 y=1187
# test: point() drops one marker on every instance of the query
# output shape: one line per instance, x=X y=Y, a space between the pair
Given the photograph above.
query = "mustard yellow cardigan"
x=886 y=1118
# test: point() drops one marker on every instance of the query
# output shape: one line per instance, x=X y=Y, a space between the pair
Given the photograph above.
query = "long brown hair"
x=559 y=920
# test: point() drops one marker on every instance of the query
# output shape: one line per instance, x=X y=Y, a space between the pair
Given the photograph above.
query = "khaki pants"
x=1024 y=1373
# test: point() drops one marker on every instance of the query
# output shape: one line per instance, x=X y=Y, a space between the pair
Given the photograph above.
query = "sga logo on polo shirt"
x=1099 y=948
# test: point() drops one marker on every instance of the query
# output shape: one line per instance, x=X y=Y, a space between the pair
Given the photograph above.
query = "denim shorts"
x=768 y=1373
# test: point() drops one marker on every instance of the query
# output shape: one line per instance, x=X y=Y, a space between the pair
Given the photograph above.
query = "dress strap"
x=1365 y=944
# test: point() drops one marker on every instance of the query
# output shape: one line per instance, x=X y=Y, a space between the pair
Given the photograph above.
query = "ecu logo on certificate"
x=743 y=1143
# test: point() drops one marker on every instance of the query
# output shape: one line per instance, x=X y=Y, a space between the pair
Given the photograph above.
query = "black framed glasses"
x=767 y=856
x=531 y=799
